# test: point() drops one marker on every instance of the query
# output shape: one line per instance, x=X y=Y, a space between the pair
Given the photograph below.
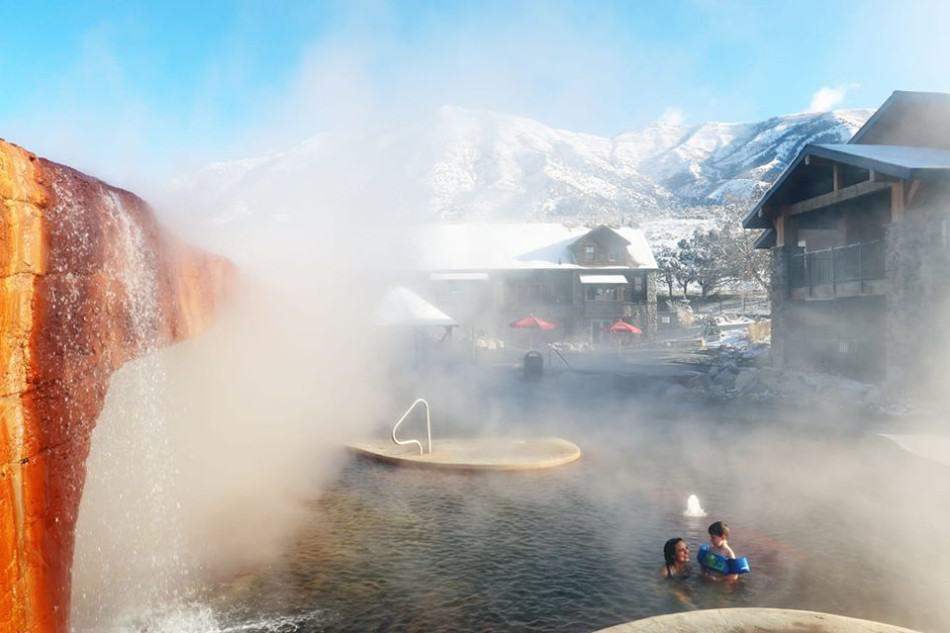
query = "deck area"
x=476 y=453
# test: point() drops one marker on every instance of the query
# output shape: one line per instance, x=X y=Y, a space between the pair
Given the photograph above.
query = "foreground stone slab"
x=929 y=446
x=476 y=453
x=753 y=619
x=88 y=280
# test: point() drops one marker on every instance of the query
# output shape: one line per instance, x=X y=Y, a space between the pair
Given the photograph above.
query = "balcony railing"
x=609 y=309
x=854 y=262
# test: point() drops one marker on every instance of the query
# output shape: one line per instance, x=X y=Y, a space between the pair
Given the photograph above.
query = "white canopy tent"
x=401 y=306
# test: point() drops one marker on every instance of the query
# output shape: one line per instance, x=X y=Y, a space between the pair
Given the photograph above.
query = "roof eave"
x=890 y=169
x=755 y=218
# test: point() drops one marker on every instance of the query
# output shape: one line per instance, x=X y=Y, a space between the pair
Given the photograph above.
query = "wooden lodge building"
x=860 y=238
x=581 y=279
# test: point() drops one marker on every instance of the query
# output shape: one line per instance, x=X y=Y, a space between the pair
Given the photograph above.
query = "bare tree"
x=684 y=271
x=745 y=263
x=668 y=265
x=708 y=260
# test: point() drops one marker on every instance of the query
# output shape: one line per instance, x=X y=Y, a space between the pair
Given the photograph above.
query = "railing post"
x=834 y=274
x=861 y=266
x=807 y=260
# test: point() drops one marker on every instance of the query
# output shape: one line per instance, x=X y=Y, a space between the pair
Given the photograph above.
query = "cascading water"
x=129 y=539
x=693 y=509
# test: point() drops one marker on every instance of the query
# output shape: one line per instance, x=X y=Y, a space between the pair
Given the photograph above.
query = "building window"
x=638 y=284
x=603 y=294
x=589 y=253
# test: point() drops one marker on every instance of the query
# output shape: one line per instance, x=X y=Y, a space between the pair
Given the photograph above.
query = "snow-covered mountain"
x=476 y=165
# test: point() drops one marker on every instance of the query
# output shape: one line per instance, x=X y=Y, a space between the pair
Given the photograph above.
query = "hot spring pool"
x=831 y=522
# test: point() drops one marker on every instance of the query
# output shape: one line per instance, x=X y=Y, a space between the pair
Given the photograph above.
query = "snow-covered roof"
x=604 y=279
x=401 y=306
x=486 y=247
x=897 y=156
x=466 y=276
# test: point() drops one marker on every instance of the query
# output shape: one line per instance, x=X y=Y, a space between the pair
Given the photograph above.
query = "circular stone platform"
x=758 y=620
x=476 y=453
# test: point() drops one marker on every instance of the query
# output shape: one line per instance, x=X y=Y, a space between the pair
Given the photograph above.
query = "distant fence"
x=854 y=262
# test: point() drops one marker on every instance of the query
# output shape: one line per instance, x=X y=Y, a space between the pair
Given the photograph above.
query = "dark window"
x=603 y=294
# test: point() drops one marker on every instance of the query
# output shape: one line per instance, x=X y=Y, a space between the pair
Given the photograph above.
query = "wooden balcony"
x=844 y=271
x=610 y=309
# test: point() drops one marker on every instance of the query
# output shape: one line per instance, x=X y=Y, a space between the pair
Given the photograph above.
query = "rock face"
x=88 y=280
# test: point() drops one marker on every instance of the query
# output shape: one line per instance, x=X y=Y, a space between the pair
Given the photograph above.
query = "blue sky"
x=119 y=87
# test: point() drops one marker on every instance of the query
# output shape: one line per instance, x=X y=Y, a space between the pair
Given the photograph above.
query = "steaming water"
x=830 y=520
x=579 y=548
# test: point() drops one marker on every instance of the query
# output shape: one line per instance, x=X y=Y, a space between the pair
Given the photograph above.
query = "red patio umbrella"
x=532 y=322
x=623 y=326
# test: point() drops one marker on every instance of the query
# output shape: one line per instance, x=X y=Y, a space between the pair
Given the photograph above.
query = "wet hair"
x=669 y=551
x=719 y=529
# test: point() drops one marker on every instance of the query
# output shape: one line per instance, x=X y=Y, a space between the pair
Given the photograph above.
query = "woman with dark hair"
x=676 y=559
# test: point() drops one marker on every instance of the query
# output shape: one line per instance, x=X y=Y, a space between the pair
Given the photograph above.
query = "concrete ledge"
x=936 y=448
x=477 y=453
x=758 y=620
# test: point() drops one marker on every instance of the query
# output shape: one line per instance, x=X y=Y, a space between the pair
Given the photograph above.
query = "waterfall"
x=129 y=541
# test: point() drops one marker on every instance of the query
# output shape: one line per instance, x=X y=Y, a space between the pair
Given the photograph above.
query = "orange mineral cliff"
x=88 y=280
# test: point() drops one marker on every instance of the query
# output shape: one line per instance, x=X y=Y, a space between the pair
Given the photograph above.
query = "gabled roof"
x=906 y=137
x=521 y=246
x=603 y=229
x=920 y=119
x=899 y=161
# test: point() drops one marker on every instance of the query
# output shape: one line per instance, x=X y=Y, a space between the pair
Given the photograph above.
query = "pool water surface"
x=830 y=521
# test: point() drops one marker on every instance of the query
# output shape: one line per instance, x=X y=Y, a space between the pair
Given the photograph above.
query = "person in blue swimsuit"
x=717 y=558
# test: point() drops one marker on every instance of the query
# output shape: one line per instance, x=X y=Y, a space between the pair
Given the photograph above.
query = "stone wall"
x=918 y=269
x=778 y=297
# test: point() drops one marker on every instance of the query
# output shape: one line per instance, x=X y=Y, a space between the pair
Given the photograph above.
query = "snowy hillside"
x=476 y=165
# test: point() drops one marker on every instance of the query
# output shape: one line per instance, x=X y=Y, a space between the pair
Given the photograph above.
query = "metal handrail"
x=551 y=348
x=428 y=427
x=852 y=262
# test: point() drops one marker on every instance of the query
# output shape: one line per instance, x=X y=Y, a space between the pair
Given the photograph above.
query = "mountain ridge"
x=475 y=165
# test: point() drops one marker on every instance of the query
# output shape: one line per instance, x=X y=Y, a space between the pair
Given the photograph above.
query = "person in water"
x=717 y=559
x=676 y=557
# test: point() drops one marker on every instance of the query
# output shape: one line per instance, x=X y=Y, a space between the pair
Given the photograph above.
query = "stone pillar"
x=649 y=320
x=778 y=297
x=917 y=266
